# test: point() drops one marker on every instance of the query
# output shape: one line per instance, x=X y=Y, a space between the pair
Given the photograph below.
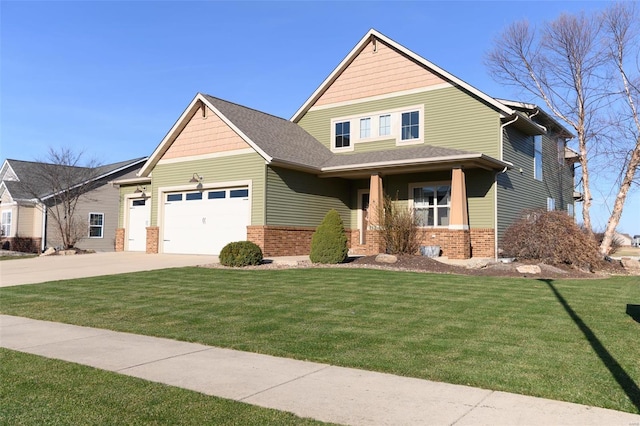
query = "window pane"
x=410 y=125
x=95 y=231
x=239 y=193
x=174 y=197
x=194 y=196
x=138 y=202
x=95 y=219
x=217 y=194
x=444 y=195
x=385 y=125
x=422 y=216
x=443 y=216
x=365 y=128
x=343 y=134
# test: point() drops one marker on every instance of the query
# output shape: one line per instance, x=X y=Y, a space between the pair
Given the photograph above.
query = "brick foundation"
x=454 y=243
x=119 y=239
x=483 y=243
x=153 y=235
x=286 y=240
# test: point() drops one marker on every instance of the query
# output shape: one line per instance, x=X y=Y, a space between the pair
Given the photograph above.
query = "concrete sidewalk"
x=308 y=389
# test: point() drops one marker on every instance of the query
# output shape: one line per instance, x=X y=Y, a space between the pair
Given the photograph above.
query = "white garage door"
x=203 y=222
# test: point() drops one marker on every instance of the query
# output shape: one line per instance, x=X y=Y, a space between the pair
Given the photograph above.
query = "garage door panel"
x=205 y=226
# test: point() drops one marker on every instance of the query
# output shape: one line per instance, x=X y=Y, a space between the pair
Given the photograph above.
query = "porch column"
x=376 y=199
x=459 y=217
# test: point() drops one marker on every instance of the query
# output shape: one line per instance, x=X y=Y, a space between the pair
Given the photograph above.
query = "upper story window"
x=365 y=128
x=431 y=203
x=6 y=223
x=385 y=125
x=560 y=151
x=404 y=126
x=537 y=157
x=410 y=125
x=343 y=134
x=96 y=225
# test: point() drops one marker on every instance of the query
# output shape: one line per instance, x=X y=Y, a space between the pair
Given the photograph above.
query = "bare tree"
x=59 y=182
x=567 y=64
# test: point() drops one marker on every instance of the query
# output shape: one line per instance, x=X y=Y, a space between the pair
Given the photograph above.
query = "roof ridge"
x=245 y=107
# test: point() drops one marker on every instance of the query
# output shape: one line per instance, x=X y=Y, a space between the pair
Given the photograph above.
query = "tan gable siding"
x=204 y=136
x=377 y=73
x=452 y=119
x=225 y=169
x=300 y=199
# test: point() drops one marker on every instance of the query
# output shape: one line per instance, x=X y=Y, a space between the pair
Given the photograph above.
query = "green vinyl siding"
x=452 y=119
x=374 y=146
x=300 y=199
x=517 y=188
x=245 y=167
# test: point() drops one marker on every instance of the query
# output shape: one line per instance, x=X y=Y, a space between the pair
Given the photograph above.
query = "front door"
x=139 y=214
x=363 y=225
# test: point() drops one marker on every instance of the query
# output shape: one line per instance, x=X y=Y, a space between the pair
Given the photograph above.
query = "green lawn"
x=567 y=340
x=40 y=391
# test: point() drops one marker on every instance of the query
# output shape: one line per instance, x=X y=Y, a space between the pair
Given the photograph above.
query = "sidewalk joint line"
x=165 y=358
x=283 y=383
x=473 y=408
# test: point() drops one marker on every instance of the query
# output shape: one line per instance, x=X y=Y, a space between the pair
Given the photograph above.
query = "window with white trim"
x=551 y=204
x=570 y=210
x=431 y=203
x=6 y=223
x=410 y=125
x=365 y=128
x=537 y=157
x=96 y=225
x=343 y=134
x=384 y=125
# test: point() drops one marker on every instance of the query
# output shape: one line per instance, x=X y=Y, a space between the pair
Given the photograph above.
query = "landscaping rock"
x=66 y=252
x=632 y=266
x=49 y=252
x=386 y=258
x=529 y=269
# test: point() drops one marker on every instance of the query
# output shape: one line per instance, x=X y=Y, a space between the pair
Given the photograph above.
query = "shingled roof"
x=30 y=185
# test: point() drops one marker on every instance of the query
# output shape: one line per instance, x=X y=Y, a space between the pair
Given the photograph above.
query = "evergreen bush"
x=329 y=242
x=241 y=253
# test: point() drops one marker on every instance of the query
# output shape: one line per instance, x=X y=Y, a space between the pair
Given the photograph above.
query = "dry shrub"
x=24 y=245
x=616 y=242
x=399 y=229
x=550 y=237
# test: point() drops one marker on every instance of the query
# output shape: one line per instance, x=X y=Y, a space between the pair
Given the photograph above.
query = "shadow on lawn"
x=624 y=380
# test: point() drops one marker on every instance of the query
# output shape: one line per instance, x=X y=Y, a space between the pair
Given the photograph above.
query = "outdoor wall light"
x=141 y=190
x=196 y=178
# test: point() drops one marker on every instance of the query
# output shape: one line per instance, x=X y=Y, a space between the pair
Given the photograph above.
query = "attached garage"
x=203 y=222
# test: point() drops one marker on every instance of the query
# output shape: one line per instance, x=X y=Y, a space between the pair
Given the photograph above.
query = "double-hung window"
x=343 y=134
x=6 y=223
x=410 y=125
x=537 y=157
x=96 y=225
x=432 y=203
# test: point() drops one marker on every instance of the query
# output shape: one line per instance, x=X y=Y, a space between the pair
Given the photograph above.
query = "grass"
x=567 y=340
x=21 y=256
x=37 y=391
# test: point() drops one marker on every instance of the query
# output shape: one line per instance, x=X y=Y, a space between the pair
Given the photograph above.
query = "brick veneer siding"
x=454 y=243
x=119 y=239
x=483 y=243
x=153 y=235
x=285 y=240
x=22 y=244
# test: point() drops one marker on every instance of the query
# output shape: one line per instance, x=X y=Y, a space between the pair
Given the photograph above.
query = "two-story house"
x=385 y=122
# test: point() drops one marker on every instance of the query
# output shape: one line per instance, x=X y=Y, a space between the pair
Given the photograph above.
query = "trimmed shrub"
x=399 y=230
x=241 y=253
x=550 y=237
x=329 y=242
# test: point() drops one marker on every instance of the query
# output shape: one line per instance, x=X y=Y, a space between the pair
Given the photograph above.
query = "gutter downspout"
x=495 y=181
x=43 y=241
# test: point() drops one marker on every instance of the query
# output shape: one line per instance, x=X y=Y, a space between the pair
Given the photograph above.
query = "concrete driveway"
x=53 y=268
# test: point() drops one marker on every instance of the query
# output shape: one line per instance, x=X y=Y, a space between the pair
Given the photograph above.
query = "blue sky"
x=112 y=77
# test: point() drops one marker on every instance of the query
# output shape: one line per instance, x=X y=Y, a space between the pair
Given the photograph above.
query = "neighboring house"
x=623 y=239
x=385 y=122
x=25 y=196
